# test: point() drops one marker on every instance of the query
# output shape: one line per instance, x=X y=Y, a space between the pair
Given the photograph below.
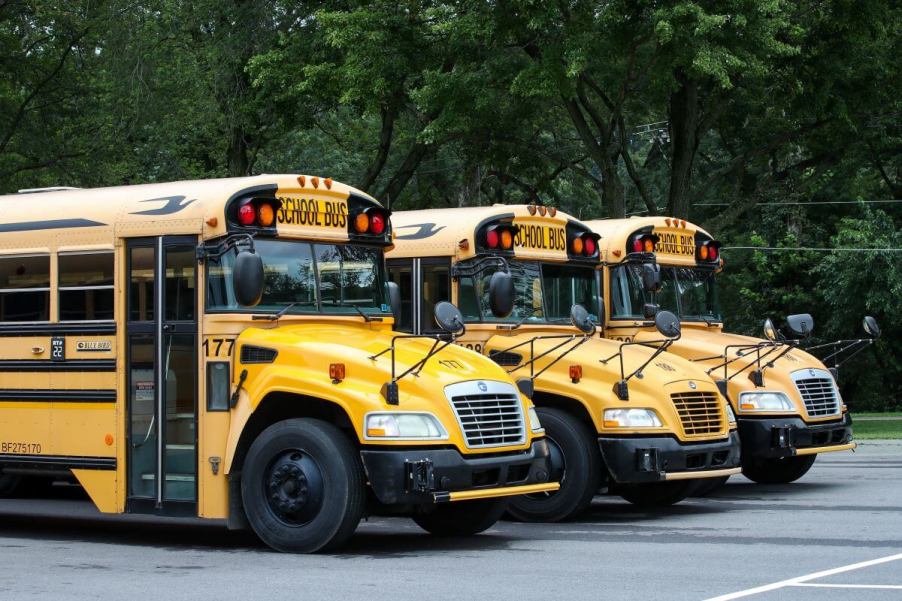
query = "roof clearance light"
x=362 y=223
x=552 y=211
x=377 y=224
x=491 y=239
x=542 y=210
x=246 y=214
x=590 y=247
x=507 y=239
x=703 y=252
x=266 y=214
x=648 y=244
x=531 y=209
x=577 y=246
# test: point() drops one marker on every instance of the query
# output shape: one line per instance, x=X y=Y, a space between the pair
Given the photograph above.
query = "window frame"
x=60 y=288
x=48 y=289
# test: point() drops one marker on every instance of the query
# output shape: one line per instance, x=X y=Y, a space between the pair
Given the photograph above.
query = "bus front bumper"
x=654 y=459
x=790 y=436
x=426 y=476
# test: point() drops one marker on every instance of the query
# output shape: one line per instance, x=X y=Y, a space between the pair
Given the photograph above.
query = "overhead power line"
x=812 y=203
x=813 y=249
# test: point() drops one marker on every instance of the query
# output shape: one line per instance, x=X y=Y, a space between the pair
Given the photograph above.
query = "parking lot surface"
x=834 y=535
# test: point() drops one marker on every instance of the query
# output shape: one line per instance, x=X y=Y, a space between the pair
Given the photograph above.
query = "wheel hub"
x=294 y=487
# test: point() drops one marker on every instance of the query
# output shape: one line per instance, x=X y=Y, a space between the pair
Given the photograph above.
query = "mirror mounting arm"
x=477 y=265
x=214 y=251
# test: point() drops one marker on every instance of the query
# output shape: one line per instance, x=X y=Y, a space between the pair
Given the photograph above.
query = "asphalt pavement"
x=834 y=535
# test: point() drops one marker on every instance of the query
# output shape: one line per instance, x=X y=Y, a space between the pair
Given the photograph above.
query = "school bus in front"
x=626 y=418
x=787 y=402
x=224 y=349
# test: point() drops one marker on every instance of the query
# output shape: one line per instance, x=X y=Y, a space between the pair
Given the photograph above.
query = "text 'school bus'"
x=224 y=349
x=787 y=402
x=627 y=418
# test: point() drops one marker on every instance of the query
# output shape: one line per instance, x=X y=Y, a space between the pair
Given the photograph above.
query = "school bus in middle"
x=622 y=417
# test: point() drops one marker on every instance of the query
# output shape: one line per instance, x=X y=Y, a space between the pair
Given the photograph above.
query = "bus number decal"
x=20 y=448
x=218 y=347
x=313 y=212
x=473 y=347
x=623 y=338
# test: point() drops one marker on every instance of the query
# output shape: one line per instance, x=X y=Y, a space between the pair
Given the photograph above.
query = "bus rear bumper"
x=790 y=436
x=426 y=476
x=643 y=460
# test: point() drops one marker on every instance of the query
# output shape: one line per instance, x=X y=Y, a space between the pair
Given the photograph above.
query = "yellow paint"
x=505 y=491
x=101 y=487
x=732 y=471
x=850 y=446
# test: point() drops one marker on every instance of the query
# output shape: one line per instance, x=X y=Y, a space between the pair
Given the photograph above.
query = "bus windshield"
x=544 y=293
x=689 y=293
x=316 y=278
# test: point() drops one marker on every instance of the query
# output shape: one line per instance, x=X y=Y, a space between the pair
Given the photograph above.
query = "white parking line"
x=821 y=585
x=801 y=579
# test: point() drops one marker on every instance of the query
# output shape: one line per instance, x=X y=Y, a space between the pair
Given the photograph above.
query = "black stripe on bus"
x=51 y=462
x=58 y=396
x=53 y=329
x=67 y=365
x=48 y=224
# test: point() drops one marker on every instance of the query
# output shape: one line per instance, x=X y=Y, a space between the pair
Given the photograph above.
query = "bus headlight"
x=731 y=417
x=534 y=423
x=764 y=401
x=403 y=426
x=631 y=418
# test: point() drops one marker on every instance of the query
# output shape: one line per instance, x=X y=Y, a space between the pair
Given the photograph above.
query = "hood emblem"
x=811 y=372
x=692 y=385
x=482 y=387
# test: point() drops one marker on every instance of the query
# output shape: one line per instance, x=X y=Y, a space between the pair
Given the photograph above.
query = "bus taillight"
x=584 y=244
x=642 y=243
x=257 y=212
x=371 y=221
x=246 y=214
x=501 y=236
x=709 y=250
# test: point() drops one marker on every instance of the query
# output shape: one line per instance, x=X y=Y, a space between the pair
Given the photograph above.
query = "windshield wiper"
x=275 y=316
x=366 y=318
x=520 y=322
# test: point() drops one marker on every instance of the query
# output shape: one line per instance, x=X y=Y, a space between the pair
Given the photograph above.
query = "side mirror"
x=800 y=325
x=247 y=278
x=394 y=300
x=581 y=319
x=667 y=324
x=770 y=330
x=449 y=318
x=501 y=294
x=649 y=310
x=870 y=327
x=651 y=277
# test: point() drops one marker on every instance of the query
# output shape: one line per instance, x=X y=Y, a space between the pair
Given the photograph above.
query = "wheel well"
x=279 y=406
x=567 y=404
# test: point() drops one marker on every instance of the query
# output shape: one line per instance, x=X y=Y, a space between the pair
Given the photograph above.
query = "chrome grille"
x=818 y=391
x=488 y=418
x=700 y=412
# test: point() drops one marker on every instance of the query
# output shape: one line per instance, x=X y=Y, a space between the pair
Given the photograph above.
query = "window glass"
x=25 y=288
x=627 y=296
x=401 y=273
x=140 y=294
x=689 y=293
x=86 y=286
x=567 y=285
x=180 y=283
x=698 y=294
x=436 y=288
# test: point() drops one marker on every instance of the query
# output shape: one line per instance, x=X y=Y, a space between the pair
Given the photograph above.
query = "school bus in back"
x=624 y=418
x=224 y=349
x=787 y=402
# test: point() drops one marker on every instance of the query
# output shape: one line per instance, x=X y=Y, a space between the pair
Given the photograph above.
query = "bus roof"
x=616 y=234
x=182 y=207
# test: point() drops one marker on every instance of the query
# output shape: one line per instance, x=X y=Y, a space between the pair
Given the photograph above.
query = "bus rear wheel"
x=8 y=484
x=657 y=494
x=462 y=518
x=302 y=486
x=575 y=463
x=782 y=470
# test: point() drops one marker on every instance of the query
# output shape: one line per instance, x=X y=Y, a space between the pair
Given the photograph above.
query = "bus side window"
x=86 y=286
x=436 y=288
x=25 y=288
x=400 y=272
x=468 y=299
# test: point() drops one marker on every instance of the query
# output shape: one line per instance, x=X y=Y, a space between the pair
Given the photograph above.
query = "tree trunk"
x=684 y=144
x=239 y=161
x=399 y=180
x=389 y=114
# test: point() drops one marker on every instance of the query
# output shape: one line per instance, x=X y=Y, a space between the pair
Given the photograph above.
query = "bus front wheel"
x=575 y=463
x=302 y=486
x=782 y=470
x=462 y=518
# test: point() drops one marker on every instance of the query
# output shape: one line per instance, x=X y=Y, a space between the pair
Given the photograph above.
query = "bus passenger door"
x=423 y=282
x=161 y=335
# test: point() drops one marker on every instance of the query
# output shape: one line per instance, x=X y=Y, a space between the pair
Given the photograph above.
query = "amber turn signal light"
x=337 y=372
x=576 y=373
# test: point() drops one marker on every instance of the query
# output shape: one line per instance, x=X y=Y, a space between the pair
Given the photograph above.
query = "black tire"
x=8 y=484
x=580 y=473
x=302 y=486
x=657 y=494
x=462 y=518
x=781 y=470
x=706 y=486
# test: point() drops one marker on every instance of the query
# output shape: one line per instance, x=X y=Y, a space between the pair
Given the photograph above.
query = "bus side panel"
x=101 y=486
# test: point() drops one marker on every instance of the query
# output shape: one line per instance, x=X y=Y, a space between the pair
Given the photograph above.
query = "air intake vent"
x=257 y=354
x=700 y=412
x=490 y=414
x=505 y=359
x=818 y=391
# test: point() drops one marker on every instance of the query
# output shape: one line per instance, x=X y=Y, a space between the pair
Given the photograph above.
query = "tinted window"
x=25 y=288
x=86 y=286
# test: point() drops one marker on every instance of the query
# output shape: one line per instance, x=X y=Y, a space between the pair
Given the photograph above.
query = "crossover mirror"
x=870 y=327
x=247 y=278
x=394 y=300
x=651 y=277
x=581 y=319
x=770 y=330
x=501 y=294
x=449 y=318
x=800 y=325
x=667 y=324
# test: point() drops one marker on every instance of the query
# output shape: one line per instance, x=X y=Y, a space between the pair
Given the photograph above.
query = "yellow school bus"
x=623 y=417
x=224 y=349
x=787 y=402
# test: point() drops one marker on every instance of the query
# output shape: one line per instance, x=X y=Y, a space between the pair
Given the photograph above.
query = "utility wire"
x=809 y=248
x=812 y=203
